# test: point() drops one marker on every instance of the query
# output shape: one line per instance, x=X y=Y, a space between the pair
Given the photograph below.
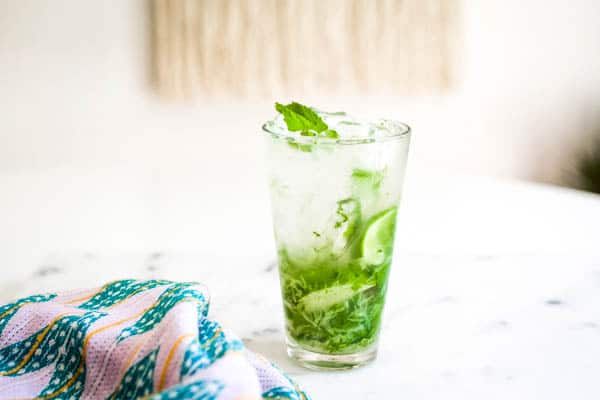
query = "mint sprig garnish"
x=303 y=119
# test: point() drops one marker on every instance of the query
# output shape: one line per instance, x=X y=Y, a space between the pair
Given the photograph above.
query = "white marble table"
x=495 y=290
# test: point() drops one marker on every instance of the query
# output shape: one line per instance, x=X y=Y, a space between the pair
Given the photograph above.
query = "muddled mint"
x=348 y=216
x=333 y=303
x=303 y=119
x=371 y=177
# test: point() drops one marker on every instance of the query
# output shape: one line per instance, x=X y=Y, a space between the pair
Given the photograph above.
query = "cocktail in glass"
x=334 y=203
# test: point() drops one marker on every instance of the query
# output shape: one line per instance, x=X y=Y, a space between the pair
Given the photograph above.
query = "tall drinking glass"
x=334 y=204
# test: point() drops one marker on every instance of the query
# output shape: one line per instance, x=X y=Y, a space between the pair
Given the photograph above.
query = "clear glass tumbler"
x=334 y=204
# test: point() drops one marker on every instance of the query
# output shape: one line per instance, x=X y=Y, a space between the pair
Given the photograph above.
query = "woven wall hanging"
x=277 y=47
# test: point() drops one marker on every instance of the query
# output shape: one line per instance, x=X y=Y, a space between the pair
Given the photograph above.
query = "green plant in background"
x=588 y=168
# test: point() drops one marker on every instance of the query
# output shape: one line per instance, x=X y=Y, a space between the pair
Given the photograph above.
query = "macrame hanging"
x=278 y=47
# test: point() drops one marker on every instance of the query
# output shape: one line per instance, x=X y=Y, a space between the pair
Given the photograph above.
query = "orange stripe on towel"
x=170 y=356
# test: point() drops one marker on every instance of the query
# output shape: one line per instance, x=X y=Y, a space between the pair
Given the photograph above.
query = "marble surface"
x=494 y=293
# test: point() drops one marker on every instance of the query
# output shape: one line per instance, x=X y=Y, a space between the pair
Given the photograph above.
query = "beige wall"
x=73 y=93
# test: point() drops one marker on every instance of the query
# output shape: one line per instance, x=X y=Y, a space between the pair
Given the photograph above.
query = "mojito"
x=335 y=185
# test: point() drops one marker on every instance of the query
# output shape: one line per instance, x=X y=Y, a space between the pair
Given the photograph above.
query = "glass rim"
x=404 y=132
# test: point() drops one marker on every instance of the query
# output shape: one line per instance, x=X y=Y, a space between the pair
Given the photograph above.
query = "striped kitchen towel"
x=129 y=339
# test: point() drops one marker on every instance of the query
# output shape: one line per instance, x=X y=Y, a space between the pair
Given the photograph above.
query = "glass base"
x=328 y=362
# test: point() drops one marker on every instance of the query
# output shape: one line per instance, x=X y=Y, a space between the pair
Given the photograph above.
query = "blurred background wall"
x=75 y=93
x=272 y=47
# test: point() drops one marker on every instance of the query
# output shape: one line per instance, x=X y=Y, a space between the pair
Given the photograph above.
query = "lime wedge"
x=325 y=298
x=378 y=239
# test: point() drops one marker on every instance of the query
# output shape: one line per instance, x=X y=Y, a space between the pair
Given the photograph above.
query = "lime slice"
x=325 y=298
x=378 y=239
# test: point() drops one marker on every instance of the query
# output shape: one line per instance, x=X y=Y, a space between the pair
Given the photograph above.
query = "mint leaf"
x=348 y=216
x=329 y=133
x=364 y=173
x=302 y=147
x=368 y=178
x=299 y=117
